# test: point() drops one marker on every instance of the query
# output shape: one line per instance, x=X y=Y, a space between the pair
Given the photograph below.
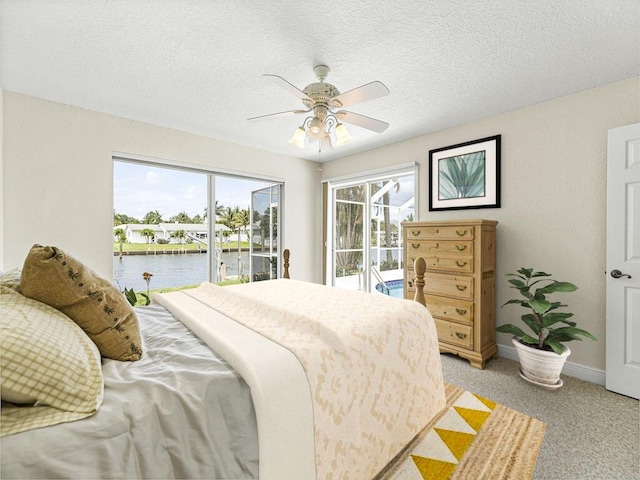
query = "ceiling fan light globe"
x=311 y=135
x=342 y=135
x=298 y=138
x=316 y=126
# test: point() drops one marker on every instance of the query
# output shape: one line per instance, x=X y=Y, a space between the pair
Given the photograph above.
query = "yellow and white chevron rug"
x=473 y=438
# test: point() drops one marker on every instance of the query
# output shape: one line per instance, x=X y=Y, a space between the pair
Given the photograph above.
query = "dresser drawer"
x=454 y=333
x=463 y=232
x=446 y=263
x=449 y=286
x=450 y=309
x=455 y=286
x=449 y=263
x=422 y=248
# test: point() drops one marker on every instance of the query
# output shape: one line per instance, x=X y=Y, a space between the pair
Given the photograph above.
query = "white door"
x=623 y=261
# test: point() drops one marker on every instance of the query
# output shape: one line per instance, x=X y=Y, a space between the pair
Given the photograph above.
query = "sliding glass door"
x=349 y=234
x=365 y=230
x=264 y=245
x=185 y=225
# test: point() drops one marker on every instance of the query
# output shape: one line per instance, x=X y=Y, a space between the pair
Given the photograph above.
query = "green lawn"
x=154 y=247
x=141 y=299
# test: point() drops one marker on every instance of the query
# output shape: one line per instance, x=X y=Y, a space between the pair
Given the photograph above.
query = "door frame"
x=278 y=243
x=328 y=187
x=622 y=374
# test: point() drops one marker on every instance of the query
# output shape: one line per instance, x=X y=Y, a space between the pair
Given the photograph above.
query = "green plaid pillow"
x=47 y=362
x=11 y=279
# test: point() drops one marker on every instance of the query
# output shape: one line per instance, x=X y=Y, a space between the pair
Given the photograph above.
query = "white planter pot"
x=540 y=367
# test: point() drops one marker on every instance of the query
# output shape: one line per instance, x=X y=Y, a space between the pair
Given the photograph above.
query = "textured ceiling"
x=197 y=65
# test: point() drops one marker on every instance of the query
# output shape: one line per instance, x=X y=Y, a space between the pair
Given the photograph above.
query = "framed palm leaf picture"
x=466 y=175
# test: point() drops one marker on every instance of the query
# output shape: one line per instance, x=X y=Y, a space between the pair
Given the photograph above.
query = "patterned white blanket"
x=371 y=362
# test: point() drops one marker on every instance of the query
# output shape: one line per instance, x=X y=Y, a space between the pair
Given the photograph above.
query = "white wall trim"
x=576 y=370
x=191 y=167
x=372 y=174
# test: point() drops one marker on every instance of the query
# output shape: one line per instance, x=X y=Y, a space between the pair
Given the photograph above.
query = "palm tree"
x=148 y=233
x=121 y=237
x=242 y=217
x=153 y=217
x=387 y=222
x=349 y=226
x=179 y=234
x=219 y=210
x=226 y=218
x=239 y=220
x=121 y=219
x=181 y=217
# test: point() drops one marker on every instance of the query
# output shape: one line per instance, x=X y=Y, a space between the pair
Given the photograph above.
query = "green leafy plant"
x=132 y=297
x=542 y=317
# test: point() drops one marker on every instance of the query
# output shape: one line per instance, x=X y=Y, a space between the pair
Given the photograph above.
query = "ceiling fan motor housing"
x=320 y=92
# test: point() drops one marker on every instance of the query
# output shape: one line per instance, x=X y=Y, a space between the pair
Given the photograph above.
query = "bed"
x=273 y=380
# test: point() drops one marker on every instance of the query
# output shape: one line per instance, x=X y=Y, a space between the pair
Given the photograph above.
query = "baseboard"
x=570 y=369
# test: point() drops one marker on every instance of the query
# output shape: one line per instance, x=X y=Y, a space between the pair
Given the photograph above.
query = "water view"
x=170 y=270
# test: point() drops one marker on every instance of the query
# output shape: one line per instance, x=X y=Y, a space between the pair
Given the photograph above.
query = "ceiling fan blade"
x=360 y=94
x=362 y=121
x=279 y=114
x=288 y=87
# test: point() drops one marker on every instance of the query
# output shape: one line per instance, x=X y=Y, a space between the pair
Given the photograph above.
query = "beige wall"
x=1 y=181
x=58 y=180
x=553 y=194
x=58 y=187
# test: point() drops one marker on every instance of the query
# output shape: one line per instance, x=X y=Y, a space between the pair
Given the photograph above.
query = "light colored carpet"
x=591 y=433
x=473 y=438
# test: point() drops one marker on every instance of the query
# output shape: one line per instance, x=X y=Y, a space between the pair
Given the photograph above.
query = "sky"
x=140 y=188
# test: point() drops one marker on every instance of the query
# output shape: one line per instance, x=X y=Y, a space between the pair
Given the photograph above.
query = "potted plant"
x=542 y=355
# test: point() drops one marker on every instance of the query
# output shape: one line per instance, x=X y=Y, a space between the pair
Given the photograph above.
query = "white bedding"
x=355 y=378
x=359 y=377
x=279 y=388
x=178 y=412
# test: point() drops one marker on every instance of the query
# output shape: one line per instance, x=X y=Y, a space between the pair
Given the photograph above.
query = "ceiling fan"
x=322 y=102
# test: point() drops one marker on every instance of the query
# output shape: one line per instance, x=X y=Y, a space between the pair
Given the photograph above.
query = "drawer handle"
x=415 y=245
x=462 y=288
x=461 y=311
x=410 y=283
x=461 y=336
x=461 y=234
x=415 y=232
x=461 y=247
x=460 y=264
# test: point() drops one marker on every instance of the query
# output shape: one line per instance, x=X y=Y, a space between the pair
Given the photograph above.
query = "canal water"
x=170 y=270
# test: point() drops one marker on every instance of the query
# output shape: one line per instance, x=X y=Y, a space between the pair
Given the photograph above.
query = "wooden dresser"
x=459 y=283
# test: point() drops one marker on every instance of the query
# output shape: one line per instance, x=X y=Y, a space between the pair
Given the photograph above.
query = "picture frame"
x=465 y=176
